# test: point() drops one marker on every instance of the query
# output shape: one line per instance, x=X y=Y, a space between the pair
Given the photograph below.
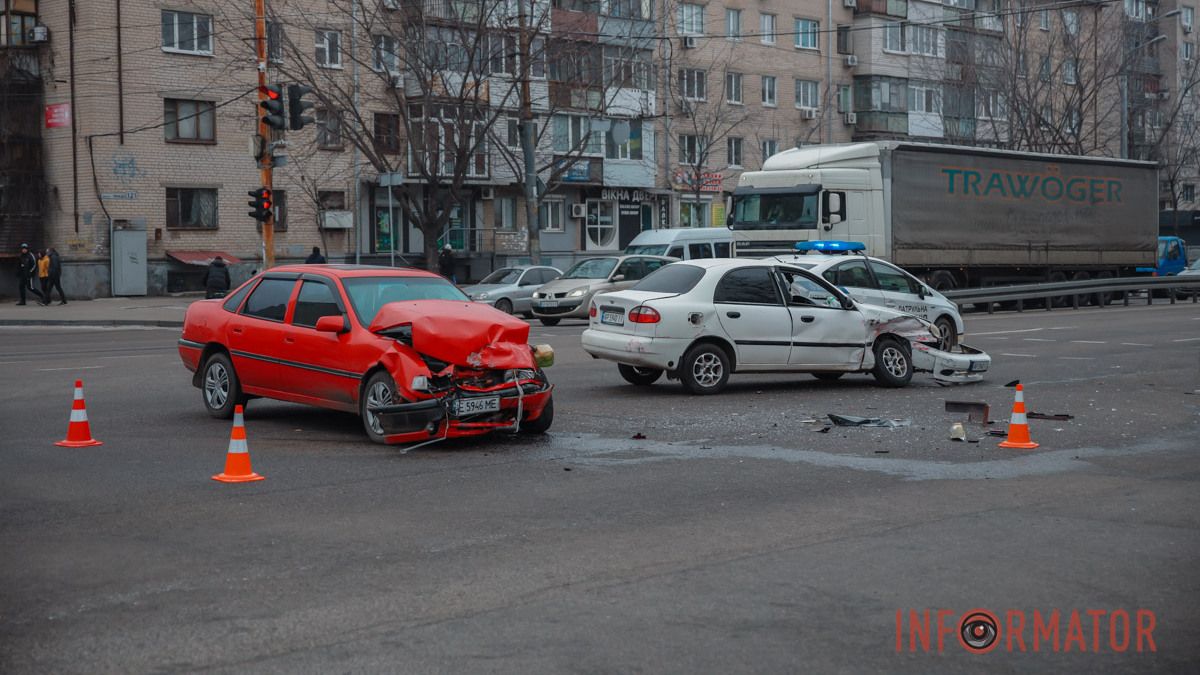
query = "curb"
x=97 y=323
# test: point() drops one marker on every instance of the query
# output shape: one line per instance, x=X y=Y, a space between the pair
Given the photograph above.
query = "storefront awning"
x=201 y=258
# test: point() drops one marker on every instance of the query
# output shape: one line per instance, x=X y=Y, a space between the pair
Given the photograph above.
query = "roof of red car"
x=355 y=270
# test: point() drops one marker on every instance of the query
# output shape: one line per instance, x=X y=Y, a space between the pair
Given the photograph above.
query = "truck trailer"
x=955 y=216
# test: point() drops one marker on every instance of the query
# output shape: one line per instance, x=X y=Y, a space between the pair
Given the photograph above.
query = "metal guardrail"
x=1077 y=293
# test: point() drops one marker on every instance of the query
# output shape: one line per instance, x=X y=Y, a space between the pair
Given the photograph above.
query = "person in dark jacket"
x=26 y=270
x=216 y=281
x=446 y=263
x=55 y=282
x=315 y=258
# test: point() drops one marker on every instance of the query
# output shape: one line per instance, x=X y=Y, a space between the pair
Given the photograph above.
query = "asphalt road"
x=735 y=537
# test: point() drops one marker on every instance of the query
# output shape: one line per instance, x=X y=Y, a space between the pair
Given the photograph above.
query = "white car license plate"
x=978 y=366
x=613 y=318
x=548 y=303
x=472 y=406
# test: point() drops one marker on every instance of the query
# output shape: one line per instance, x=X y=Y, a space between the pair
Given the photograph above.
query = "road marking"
x=1187 y=339
x=1089 y=342
x=1078 y=358
x=1136 y=344
x=1028 y=356
x=1006 y=332
x=1040 y=340
x=47 y=370
x=1063 y=328
x=133 y=356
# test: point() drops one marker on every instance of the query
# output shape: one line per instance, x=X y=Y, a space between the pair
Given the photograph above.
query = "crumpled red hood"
x=467 y=334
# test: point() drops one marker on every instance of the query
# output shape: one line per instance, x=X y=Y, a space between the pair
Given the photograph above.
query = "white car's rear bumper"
x=644 y=352
x=963 y=364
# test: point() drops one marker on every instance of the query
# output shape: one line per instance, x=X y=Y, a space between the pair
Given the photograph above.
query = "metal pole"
x=1124 y=82
x=260 y=43
x=357 y=167
x=528 y=139
x=392 y=222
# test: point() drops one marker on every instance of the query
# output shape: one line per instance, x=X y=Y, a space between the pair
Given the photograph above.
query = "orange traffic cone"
x=237 y=460
x=1018 y=426
x=79 y=432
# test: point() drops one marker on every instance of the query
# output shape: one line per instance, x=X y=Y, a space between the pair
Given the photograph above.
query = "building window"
x=1071 y=71
x=629 y=9
x=573 y=133
x=893 y=36
x=769 y=147
x=767 y=27
x=923 y=40
x=506 y=213
x=551 y=215
x=386 y=54
x=692 y=149
x=512 y=132
x=191 y=208
x=991 y=105
x=693 y=213
x=629 y=68
x=807 y=94
x=502 y=50
x=329 y=49
x=1188 y=193
x=444 y=137
x=329 y=129
x=17 y=23
x=1136 y=9
x=1073 y=121
x=387 y=133
x=1187 y=16
x=768 y=91
x=186 y=32
x=1070 y=19
x=274 y=42
x=808 y=34
x=733 y=150
x=1044 y=19
x=691 y=19
x=601 y=223
x=693 y=84
x=845 y=99
x=331 y=200
x=189 y=121
x=631 y=148
x=924 y=98
x=733 y=88
x=733 y=24
x=1019 y=14
x=1188 y=51
x=1044 y=69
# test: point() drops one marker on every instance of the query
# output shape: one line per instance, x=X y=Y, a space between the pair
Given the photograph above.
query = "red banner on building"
x=58 y=115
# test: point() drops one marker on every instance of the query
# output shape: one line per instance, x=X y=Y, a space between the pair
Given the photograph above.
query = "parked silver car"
x=509 y=289
x=568 y=296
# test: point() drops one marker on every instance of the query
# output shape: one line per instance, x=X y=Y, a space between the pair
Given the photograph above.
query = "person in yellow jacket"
x=43 y=272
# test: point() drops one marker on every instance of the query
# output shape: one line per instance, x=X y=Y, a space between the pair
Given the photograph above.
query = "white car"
x=879 y=282
x=702 y=320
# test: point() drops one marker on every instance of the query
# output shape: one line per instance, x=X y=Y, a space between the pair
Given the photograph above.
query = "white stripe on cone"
x=78 y=393
x=237 y=446
x=1018 y=418
x=1020 y=397
x=79 y=415
x=238 y=420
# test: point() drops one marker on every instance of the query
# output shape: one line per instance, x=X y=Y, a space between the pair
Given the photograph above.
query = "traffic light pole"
x=264 y=163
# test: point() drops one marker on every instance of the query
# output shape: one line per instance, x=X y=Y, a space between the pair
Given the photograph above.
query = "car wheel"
x=704 y=369
x=549 y=322
x=380 y=390
x=504 y=305
x=828 y=376
x=948 y=333
x=220 y=388
x=893 y=362
x=640 y=376
x=542 y=424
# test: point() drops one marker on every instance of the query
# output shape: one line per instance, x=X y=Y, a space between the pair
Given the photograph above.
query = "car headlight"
x=479 y=296
x=578 y=292
x=538 y=294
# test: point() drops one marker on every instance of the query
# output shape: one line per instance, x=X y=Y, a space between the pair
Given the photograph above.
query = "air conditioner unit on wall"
x=579 y=210
x=808 y=113
x=689 y=42
x=337 y=220
x=39 y=34
x=850 y=4
x=487 y=192
x=391 y=4
x=851 y=118
x=1187 y=28
x=851 y=61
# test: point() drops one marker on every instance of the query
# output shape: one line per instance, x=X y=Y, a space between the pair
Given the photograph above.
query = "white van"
x=685 y=243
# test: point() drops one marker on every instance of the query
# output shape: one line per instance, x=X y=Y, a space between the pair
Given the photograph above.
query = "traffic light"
x=297 y=105
x=261 y=203
x=273 y=104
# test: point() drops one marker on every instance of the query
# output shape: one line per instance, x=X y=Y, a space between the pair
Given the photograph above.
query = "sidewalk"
x=134 y=311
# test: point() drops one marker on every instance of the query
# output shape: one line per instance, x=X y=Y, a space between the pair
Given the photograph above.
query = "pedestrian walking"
x=216 y=281
x=26 y=269
x=43 y=272
x=55 y=277
x=446 y=263
x=315 y=258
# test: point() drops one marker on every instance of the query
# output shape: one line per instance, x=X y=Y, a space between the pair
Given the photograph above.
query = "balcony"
x=896 y=8
x=580 y=170
x=19 y=25
x=882 y=122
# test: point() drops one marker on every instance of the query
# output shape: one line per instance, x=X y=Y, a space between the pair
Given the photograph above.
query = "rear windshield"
x=646 y=249
x=674 y=278
x=506 y=275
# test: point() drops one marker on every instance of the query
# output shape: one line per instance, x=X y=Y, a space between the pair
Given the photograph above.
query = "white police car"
x=878 y=282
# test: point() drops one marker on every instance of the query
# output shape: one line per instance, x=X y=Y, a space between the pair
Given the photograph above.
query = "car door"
x=632 y=269
x=314 y=364
x=529 y=282
x=855 y=278
x=824 y=334
x=900 y=291
x=752 y=314
x=256 y=334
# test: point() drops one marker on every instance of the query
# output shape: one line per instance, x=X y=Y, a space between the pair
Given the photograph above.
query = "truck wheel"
x=893 y=362
x=1084 y=298
x=942 y=281
x=949 y=334
x=1102 y=299
x=704 y=369
x=1058 y=300
x=641 y=377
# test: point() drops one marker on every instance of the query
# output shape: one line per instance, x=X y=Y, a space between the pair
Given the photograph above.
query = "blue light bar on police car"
x=830 y=246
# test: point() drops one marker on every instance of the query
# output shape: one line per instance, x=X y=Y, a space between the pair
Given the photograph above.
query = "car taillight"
x=592 y=311
x=644 y=314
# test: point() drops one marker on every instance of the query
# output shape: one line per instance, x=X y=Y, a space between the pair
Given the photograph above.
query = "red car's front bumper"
x=439 y=417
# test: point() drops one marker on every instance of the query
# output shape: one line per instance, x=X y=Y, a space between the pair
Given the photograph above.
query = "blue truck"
x=1172 y=258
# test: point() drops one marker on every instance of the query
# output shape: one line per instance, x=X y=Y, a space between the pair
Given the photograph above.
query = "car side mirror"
x=331 y=324
x=921 y=293
x=618 y=277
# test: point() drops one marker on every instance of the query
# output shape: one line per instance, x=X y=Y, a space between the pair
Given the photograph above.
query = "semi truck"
x=955 y=216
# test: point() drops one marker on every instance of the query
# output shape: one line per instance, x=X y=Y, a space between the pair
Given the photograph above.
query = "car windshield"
x=592 y=268
x=368 y=294
x=646 y=249
x=775 y=211
x=506 y=275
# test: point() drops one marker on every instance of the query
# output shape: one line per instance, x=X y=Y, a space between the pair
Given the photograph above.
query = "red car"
x=405 y=349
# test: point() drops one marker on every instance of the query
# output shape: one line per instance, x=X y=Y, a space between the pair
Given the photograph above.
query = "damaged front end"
x=480 y=374
x=960 y=365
